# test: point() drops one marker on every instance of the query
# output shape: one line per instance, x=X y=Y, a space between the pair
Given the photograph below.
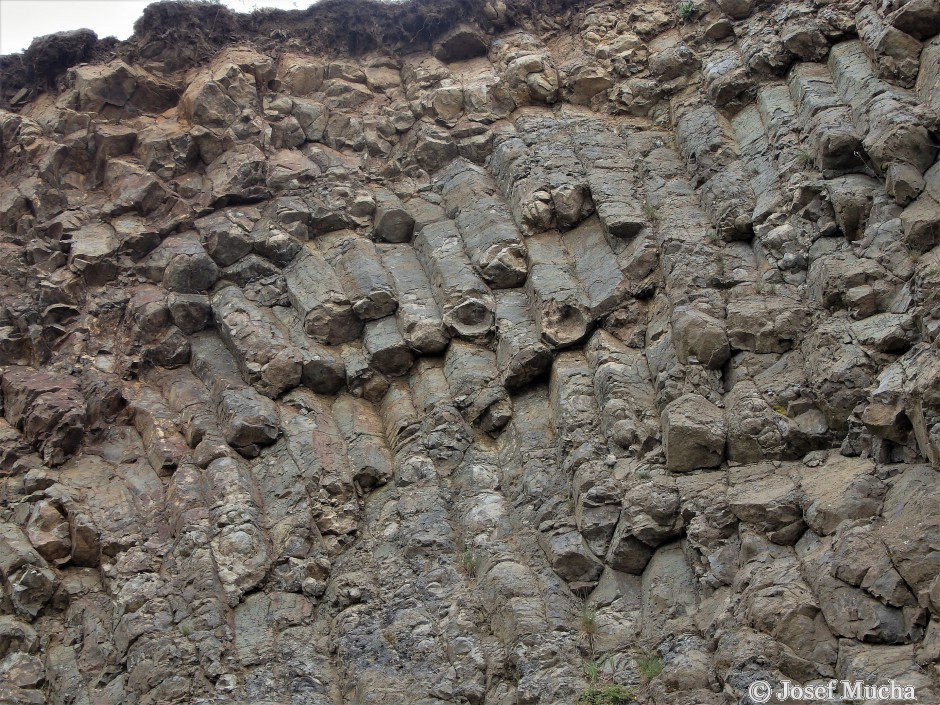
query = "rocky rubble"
x=560 y=347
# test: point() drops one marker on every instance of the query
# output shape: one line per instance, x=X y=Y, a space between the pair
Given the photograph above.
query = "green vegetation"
x=587 y=621
x=608 y=695
x=916 y=253
x=591 y=669
x=570 y=502
x=471 y=561
x=599 y=670
x=687 y=11
x=780 y=409
x=643 y=474
x=649 y=666
x=587 y=625
x=804 y=158
x=651 y=212
x=933 y=271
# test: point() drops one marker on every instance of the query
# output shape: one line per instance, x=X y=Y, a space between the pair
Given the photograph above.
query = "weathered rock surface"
x=478 y=353
x=48 y=409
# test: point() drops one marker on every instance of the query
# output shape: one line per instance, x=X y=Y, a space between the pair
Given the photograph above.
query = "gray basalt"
x=464 y=299
x=258 y=340
x=315 y=292
x=494 y=245
x=360 y=272
x=556 y=297
x=418 y=315
x=478 y=353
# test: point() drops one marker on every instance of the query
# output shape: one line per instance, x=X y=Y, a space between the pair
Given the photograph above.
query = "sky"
x=23 y=20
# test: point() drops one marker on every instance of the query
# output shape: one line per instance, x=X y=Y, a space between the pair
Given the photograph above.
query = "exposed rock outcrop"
x=471 y=352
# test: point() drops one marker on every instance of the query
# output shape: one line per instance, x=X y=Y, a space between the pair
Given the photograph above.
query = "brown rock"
x=48 y=409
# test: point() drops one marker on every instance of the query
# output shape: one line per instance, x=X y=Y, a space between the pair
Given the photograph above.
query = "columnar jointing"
x=558 y=359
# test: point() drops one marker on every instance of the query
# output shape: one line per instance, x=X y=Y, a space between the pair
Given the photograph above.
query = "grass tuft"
x=587 y=621
x=471 y=561
x=591 y=669
x=805 y=158
x=649 y=666
x=608 y=695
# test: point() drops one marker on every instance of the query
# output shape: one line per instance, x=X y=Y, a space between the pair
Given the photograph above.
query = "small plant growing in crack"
x=649 y=665
x=804 y=158
x=582 y=592
x=780 y=409
x=472 y=561
x=591 y=669
x=915 y=254
x=598 y=669
x=933 y=271
x=651 y=212
x=687 y=11
x=587 y=627
x=587 y=623
x=643 y=474
x=571 y=504
x=607 y=695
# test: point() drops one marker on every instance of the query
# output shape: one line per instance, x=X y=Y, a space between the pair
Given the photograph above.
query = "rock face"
x=543 y=349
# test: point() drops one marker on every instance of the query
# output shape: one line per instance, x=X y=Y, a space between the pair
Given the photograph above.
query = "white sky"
x=23 y=20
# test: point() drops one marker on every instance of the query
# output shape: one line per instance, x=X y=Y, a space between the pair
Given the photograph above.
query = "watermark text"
x=764 y=691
